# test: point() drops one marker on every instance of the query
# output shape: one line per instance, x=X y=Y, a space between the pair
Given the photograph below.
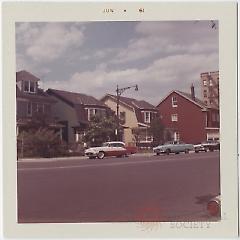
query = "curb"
x=68 y=158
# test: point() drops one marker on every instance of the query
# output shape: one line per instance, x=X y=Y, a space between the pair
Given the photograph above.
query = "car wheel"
x=186 y=151
x=101 y=155
x=196 y=151
x=91 y=157
x=158 y=153
x=168 y=151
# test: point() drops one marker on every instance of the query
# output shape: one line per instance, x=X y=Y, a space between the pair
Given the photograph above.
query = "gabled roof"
x=24 y=75
x=188 y=96
x=134 y=103
x=73 y=98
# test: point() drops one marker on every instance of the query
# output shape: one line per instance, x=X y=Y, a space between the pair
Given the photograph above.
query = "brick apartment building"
x=190 y=119
x=210 y=88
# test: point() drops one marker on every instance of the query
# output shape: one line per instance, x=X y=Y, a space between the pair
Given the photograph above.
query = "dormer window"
x=147 y=117
x=29 y=86
x=174 y=101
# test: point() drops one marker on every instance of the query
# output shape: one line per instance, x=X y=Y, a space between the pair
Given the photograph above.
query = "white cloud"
x=168 y=38
x=47 y=42
x=155 y=81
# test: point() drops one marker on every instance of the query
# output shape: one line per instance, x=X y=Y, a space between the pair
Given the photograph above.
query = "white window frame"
x=174 y=117
x=204 y=82
x=29 y=84
x=147 y=120
x=174 y=101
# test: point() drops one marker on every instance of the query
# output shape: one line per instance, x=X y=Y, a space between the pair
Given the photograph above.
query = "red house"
x=188 y=118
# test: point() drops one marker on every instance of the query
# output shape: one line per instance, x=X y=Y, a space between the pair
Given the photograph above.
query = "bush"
x=40 y=143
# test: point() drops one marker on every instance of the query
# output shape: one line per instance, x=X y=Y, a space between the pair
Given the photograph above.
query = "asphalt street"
x=135 y=188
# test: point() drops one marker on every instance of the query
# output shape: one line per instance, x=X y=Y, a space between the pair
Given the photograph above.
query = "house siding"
x=131 y=120
x=64 y=112
x=191 y=119
x=22 y=108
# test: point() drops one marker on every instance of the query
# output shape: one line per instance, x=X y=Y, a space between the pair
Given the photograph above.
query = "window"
x=174 y=101
x=147 y=117
x=210 y=82
x=176 y=136
x=204 y=82
x=174 y=117
x=91 y=113
x=29 y=109
x=29 y=86
x=205 y=93
x=95 y=111
x=26 y=86
x=32 y=87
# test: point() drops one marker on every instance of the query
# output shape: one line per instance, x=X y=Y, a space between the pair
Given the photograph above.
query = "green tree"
x=157 y=131
x=101 y=129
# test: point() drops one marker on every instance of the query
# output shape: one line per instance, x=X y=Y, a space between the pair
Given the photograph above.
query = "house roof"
x=24 y=75
x=134 y=103
x=188 y=96
x=39 y=96
x=73 y=98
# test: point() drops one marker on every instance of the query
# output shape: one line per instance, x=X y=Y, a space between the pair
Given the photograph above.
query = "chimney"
x=193 y=93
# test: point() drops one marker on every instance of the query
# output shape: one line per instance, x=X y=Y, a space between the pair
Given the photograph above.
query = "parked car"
x=209 y=145
x=213 y=145
x=173 y=147
x=200 y=148
x=117 y=149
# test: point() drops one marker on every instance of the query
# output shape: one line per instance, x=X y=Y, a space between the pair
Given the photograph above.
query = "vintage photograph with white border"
x=120 y=120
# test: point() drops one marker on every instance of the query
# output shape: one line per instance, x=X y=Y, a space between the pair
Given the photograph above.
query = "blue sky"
x=93 y=57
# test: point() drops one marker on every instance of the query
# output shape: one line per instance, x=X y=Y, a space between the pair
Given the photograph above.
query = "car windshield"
x=105 y=145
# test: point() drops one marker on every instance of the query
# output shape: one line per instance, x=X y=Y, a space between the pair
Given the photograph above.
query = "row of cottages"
x=189 y=118
x=133 y=114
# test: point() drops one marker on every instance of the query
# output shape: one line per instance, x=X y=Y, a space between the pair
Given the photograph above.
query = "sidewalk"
x=70 y=158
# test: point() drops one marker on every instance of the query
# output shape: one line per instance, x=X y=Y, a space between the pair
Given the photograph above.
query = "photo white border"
x=224 y=12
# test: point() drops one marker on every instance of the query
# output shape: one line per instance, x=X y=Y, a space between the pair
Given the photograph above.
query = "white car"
x=107 y=149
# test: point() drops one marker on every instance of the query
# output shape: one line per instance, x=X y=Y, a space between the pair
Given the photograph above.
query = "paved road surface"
x=137 y=188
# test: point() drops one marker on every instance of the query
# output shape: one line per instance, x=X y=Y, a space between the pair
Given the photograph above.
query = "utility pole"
x=119 y=92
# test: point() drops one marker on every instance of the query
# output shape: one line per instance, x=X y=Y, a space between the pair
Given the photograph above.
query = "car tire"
x=196 y=151
x=158 y=153
x=101 y=155
x=91 y=157
x=168 y=151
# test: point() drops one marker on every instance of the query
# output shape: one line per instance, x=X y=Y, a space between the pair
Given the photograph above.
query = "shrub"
x=40 y=143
